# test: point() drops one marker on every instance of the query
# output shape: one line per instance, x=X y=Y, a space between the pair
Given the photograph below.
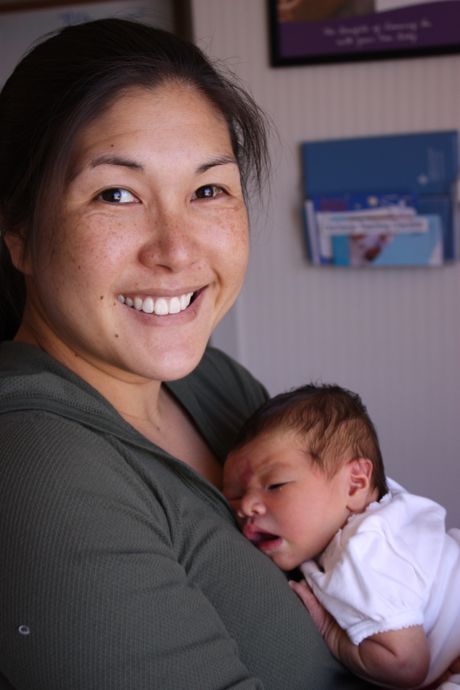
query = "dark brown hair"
x=333 y=418
x=66 y=82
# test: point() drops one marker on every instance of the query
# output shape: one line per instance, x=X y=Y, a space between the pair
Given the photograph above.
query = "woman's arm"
x=397 y=658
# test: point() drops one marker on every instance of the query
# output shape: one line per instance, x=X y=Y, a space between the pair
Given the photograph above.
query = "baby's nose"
x=251 y=504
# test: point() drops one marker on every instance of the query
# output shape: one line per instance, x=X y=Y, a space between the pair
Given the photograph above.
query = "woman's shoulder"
x=31 y=380
x=27 y=369
x=220 y=395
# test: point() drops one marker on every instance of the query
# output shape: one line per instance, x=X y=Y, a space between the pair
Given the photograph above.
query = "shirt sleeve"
x=93 y=596
x=374 y=585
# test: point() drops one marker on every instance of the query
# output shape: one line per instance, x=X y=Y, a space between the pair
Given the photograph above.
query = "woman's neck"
x=145 y=404
x=129 y=394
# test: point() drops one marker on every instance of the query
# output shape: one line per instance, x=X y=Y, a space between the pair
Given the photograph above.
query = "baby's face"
x=285 y=505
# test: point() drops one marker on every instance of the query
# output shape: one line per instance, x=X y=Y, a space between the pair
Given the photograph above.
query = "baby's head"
x=303 y=463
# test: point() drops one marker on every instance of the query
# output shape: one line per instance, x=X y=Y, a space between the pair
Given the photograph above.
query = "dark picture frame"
x=9 y=6
x=181 y=10
x=327 y=31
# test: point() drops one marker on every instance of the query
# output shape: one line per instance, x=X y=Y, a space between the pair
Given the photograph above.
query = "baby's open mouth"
x=264 y=538
x=258 y=537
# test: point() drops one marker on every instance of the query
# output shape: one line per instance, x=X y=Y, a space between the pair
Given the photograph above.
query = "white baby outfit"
x=392 y=567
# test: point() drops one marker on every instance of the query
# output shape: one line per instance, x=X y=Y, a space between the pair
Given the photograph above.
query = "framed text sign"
x=320 y=31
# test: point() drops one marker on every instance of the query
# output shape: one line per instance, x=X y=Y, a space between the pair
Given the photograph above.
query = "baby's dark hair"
x=333 y=418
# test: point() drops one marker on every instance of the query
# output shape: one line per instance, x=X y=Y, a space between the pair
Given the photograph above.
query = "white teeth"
x=159 y=306
x=147 y=305
x=174 y=305
x=185 y=300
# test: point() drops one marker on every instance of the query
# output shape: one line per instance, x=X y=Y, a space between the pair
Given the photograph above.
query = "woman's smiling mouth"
x=160 y=306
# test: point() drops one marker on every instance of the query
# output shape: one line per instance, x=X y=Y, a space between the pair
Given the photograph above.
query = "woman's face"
x=152 y=244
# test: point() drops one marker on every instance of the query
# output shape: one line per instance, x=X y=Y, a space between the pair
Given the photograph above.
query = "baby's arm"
x=395 y=658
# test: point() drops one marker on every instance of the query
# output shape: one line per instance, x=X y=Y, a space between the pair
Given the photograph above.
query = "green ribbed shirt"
x=121 y=568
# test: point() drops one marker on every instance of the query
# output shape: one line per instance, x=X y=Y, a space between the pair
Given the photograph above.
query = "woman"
x=125 y=161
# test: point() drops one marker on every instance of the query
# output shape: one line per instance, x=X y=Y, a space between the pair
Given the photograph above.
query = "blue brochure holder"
x=423 y=165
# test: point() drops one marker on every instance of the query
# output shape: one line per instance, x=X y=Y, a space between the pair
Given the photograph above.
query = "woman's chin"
x=174 y=364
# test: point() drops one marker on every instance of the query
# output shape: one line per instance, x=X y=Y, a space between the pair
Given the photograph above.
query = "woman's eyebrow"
x=108 y=159
x=115 y=160
x=220 y=160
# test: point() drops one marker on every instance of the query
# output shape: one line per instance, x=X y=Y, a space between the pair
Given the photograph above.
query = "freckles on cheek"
x=99 y=246
x=232 y=240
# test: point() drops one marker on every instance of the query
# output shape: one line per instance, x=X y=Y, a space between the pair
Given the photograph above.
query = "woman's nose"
x=171 y=242
x=251 y=504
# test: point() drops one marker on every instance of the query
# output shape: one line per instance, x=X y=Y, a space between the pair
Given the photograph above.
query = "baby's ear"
x=359 y=484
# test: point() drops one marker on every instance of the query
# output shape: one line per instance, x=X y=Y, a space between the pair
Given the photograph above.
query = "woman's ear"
x=360 y=492
x=19 y=257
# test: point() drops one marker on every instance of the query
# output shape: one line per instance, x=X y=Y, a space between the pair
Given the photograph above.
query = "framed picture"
x=180 y=9
x=322 y=31
x=22 y=22
x=9 y=6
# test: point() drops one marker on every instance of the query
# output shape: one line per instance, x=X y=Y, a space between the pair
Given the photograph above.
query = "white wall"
x=393 y=335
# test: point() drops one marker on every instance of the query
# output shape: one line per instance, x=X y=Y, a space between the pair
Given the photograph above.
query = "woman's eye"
x=117 y=195
x=208 y=191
